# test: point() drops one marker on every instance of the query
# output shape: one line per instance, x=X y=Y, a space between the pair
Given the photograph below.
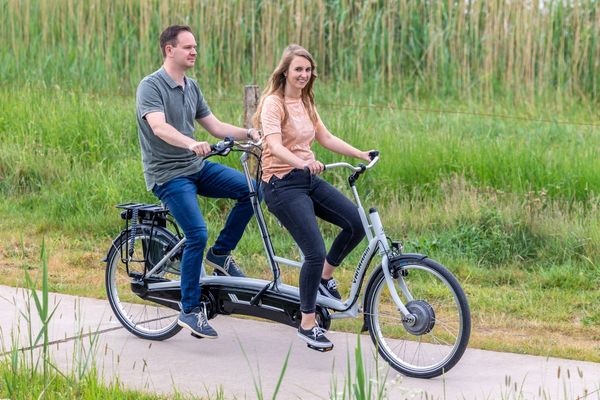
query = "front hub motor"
x=422 y=318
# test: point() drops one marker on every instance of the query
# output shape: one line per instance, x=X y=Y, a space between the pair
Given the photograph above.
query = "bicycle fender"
x=406 y=258
x=114 y=243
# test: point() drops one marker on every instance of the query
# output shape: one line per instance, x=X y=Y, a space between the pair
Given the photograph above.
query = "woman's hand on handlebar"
x=315 y=167
x=201 y=149
x=368 y=155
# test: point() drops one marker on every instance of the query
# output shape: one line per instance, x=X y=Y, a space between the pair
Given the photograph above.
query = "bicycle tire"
x=143 y=318
x=437 y=339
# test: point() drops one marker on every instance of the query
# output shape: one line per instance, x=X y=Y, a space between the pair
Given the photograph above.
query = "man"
x=167 y=103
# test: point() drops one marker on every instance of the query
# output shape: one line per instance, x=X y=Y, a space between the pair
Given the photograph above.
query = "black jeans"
x=296 y=200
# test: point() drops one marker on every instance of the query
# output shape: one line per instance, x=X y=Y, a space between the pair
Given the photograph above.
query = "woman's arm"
x=337 y=145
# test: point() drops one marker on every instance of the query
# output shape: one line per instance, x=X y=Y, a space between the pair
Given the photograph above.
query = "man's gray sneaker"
x=223 y=264
x=328 y=287
x=197 y=322
x=315 y=338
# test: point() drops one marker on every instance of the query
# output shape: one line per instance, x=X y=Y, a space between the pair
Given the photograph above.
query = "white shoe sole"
x=314 y=343
x=184 y=325
x=216 y=267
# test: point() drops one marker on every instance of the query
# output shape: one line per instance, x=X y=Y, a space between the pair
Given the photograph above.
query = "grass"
x=30 y=386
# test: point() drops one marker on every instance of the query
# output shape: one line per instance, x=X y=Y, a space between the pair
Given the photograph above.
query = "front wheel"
x=434 y=337
x=126 y=266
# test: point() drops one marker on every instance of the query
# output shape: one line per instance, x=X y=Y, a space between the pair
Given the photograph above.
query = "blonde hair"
x=276 y=84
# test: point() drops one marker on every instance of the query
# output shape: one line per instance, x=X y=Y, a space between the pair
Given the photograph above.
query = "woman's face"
x=299 y=73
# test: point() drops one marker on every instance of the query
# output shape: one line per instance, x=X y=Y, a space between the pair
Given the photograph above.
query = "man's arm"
x=219 y=129
x=169 y=134
x=222 y=130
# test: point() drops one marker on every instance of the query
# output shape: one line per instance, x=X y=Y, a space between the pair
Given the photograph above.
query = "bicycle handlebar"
x=223 y=147
x=356 y=168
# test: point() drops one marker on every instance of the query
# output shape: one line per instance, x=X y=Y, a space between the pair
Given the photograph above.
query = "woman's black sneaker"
x=315 y=338
x=328 y=287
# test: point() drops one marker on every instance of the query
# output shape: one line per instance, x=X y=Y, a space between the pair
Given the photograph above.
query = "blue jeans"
x=180 y=196
x=296 y=200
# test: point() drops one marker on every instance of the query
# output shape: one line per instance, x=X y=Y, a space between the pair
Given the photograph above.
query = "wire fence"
x=393 y=107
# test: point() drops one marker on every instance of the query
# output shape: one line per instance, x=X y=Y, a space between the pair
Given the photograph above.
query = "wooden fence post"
x=251 y=97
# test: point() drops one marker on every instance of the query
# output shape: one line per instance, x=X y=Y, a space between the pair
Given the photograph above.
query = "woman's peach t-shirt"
x=297 y=134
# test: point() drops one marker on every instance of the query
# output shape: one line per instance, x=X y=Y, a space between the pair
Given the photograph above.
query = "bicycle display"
x=413 y=307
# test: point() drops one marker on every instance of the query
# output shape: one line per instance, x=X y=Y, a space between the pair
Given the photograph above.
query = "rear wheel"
x=434 y=337
x=125 y=288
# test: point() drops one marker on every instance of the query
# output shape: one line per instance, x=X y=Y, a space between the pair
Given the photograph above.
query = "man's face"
x=184 y=53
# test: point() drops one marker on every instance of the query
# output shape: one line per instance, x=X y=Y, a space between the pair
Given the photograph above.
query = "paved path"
x=249 y=351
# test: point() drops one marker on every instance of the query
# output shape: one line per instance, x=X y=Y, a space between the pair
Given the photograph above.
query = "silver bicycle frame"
x=166 y=257
x=377 y=240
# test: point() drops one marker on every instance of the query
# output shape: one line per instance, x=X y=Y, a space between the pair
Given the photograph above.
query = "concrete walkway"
x=252 y=353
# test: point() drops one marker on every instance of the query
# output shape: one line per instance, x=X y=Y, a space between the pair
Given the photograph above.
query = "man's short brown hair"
x=169 y=36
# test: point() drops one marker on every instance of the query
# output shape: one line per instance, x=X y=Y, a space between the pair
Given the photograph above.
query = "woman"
x=292 y=190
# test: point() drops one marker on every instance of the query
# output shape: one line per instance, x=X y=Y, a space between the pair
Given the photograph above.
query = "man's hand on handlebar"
x=254 y=134
x=223 y=147
x=200 y=148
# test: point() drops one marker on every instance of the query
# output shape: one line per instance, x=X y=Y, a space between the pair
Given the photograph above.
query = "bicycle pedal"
x=196 y=336
x=321 y=349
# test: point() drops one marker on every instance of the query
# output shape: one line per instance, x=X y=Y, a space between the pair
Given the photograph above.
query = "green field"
x=489 y=149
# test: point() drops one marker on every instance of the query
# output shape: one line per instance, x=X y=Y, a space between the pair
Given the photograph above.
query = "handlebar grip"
x=222 y=145
x=306 y=169
x=373 y=154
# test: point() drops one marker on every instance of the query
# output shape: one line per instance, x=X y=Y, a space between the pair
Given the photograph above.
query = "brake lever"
x=223 y=147
x=373 y=154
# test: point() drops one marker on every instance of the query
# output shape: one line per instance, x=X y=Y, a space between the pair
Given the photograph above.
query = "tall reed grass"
x=476 y=49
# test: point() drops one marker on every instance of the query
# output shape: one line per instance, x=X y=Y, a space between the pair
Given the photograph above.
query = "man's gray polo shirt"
x=159 y=92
